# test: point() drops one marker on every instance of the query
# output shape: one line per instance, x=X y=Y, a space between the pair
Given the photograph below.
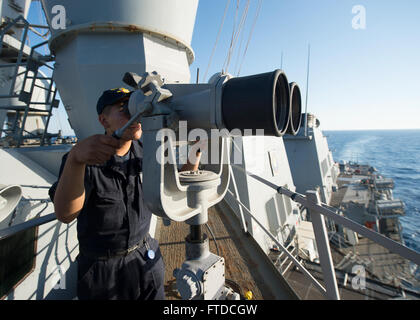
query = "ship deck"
x=347 y=190
x=247 y=268
x=380 y=264
x=384 y=270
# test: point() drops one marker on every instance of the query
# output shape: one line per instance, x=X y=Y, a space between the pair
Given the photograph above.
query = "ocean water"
x=395 y=154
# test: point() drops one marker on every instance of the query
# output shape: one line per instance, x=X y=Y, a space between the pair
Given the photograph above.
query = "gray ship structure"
x=282 y=219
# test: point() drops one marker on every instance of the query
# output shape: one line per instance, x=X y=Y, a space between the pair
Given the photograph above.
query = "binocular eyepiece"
x=295 y=118
x=264 y=101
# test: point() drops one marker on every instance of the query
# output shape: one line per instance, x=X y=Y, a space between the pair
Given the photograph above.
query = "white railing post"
x=323 y=245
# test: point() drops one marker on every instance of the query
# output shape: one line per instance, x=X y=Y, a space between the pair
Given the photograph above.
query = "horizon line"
x=393 y=129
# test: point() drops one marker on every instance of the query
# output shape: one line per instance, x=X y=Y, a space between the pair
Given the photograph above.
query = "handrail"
x=273 y=238
x=331 y=213
x=10 y=231
x=317 y=208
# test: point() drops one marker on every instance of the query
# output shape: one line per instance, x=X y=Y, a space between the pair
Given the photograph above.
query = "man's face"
x=116 y=116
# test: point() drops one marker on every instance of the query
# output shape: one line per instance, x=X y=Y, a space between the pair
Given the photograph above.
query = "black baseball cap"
x=110 y=97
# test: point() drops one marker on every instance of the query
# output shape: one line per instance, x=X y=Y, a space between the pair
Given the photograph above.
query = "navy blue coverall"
x=118 y=259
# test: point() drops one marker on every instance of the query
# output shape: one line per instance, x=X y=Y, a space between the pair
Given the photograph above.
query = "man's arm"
x=70 y=193
x=69 y=196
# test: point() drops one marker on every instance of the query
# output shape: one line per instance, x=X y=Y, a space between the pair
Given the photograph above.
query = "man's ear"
x=104 y=122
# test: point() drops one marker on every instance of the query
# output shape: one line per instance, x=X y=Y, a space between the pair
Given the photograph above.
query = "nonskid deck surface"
x=373 y=290
x=384 y=270
x=241 y=269
x=381 y=264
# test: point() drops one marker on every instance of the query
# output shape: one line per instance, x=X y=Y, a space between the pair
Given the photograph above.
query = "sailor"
x=99 y=184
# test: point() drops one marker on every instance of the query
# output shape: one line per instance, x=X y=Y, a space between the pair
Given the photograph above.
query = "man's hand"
x=70 y=194
x=94 y=150
x=194 y=156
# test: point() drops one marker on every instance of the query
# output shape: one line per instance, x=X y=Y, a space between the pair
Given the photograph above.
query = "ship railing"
x=319 y=211
x=280 y=246
x=32 y=223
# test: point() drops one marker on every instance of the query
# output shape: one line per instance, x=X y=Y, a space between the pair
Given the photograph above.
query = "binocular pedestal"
x=202 y=275
x=186 y=196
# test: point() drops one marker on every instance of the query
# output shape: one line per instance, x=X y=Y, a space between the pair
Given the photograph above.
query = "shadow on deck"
x=247 y=267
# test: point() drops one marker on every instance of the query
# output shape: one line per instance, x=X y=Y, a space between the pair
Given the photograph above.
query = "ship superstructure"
x=363 y=195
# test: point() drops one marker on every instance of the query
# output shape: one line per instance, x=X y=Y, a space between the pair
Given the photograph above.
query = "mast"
x=281 y=64
x=307 y=90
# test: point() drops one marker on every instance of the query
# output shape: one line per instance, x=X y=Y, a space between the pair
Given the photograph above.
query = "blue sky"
x=359 y=79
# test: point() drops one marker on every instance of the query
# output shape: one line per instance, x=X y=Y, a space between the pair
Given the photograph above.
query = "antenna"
x=281 y=63
x=307 y=90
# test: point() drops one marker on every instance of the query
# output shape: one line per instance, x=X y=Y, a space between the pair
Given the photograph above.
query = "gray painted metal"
x=289 y=255
x=5 y=233
x=324 y=250
x=172 y=18
x=10 y=196
x=89 y=54
x=56 y=245
x=13 y=9
x=310 y=160
x=48 y=157
x=266 y=157
x=164 y=193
